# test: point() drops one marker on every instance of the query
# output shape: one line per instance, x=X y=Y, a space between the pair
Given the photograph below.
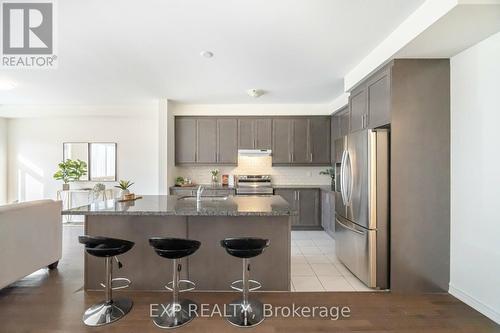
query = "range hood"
x=254 y=152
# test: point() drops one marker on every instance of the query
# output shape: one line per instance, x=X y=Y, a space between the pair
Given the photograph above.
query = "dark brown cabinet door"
x=185 y=140
x=335 y=126
x=227 y=146
x=308 y=200
x=300 y=141
x=282 y=136
x=319 y=140
x=255 y=133
x=340 y=128
x=245 y=133
x=206 y=151
x=263 y=133
x=331 y=196
x=379 y=100
x=290 y=195
x=344 y=123
x=333 y=135
x=325 y=210
x=358 y=109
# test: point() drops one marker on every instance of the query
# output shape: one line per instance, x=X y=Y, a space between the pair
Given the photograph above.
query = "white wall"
x=3 y=161
x=475 y=177
x=35 y=148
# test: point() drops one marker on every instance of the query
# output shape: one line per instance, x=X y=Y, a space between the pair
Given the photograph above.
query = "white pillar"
x=166 y=146
x=3 y=161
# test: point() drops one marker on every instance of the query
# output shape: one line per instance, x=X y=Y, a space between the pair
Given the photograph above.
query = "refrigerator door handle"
x=342 y=177
x=349 y=228
x=350 y=180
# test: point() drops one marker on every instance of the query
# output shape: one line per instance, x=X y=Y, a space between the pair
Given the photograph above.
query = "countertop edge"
x=190 y=214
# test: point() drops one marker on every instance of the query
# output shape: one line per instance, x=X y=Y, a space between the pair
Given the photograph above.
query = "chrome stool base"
x=245 y=316
x=105 y=313
x=172 y=317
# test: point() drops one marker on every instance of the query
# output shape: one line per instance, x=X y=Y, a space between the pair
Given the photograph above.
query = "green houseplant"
x=215 y=175
x=179 y=181
x=124 y=186
x=70 y=171
x=329 y=172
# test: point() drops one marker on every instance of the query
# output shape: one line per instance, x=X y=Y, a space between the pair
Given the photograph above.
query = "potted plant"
x=124 y=186
x=330 y=172
x=215 y=176
x=98 y=190
x=70 y=171
x=179 y=181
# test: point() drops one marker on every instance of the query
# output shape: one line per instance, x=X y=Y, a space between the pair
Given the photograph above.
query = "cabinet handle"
x=311 y=157
x=292 y=157
x=298 y=195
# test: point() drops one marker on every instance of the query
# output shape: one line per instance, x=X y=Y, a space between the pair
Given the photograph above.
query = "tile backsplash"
x=259 y=165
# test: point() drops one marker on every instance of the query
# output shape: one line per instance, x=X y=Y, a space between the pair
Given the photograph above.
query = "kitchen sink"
x=192 y=198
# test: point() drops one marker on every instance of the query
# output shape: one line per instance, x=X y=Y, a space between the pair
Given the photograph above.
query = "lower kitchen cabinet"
x=328 y=211
x=307 y=203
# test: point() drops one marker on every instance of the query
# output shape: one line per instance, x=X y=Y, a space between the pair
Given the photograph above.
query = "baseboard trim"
x=474 y=303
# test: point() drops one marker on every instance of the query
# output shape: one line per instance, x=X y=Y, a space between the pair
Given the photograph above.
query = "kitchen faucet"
x=199 y=191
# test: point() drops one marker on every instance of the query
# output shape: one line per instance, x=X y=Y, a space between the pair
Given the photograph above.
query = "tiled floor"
x=315 y=266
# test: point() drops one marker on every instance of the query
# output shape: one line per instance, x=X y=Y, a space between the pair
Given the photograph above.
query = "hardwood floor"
x=53 y=301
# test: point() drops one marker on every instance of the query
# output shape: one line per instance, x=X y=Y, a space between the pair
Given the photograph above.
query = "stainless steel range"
x=253 y=185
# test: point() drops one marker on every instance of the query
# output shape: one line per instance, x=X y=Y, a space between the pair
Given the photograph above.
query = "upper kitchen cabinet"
x=206 y=141
x=216 y=140
x=339 y=129
x=254 y=133
x=227 y=146
x=340 y=123
x=369 y=103
x=319 y=140
x=185 y=140
x=358 y=109
x=379 y=99
x=301 y=141
x=282 y=138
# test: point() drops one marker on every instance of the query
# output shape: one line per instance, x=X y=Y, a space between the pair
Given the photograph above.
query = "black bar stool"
x=245 y=312
x=176 y=313
x=110 y=309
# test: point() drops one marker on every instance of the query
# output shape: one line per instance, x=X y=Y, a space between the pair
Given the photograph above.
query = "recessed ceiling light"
x=206 y=54
x=7 y=85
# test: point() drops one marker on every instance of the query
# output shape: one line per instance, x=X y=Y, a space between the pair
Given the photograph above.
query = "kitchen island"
x=209 y=221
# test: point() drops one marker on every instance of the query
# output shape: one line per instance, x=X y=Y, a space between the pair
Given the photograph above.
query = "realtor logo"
x=28 y=34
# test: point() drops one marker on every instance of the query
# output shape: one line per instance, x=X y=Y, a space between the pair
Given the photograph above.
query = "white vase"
x=123 y=193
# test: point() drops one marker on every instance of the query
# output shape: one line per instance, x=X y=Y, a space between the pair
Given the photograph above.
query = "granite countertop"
x=326 y=188
x=169 y=205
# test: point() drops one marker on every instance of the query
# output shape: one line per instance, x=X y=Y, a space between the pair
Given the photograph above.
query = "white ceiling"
x=131 y=52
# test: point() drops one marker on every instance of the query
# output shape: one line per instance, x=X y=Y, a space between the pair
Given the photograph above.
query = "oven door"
x=254 y=191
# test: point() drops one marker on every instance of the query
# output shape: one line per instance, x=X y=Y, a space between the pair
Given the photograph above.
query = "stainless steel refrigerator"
x=362 y=205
